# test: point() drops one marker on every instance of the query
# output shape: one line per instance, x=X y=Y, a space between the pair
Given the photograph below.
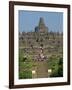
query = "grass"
x=27 y=64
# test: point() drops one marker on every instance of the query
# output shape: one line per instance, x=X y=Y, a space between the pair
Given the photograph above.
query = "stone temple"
x=39 y=45
x=41 y=41
x=41 y=26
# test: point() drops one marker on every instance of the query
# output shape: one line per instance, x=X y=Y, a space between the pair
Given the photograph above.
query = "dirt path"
x=41 y=69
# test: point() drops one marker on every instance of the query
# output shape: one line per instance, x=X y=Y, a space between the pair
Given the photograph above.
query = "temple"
x=41 y=26
x=40 y=51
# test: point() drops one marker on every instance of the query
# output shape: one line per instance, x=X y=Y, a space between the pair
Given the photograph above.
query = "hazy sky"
x=28 y=20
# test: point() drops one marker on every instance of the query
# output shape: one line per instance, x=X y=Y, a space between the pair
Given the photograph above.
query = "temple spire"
x=41 y=26
x=41 y=22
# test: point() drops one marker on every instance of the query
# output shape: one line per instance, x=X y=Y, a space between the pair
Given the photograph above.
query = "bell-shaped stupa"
x=41 y=26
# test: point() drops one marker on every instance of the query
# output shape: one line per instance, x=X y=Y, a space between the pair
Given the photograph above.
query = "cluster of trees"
x=25 y=66
x=56 y=64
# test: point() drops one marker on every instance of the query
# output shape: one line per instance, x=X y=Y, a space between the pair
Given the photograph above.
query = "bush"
x=25 y=75
x=58 y=72
x=56 y=64
x=25 y=66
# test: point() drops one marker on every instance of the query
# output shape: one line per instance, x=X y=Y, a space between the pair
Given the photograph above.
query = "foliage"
x=25 y=74
x=56 y=64
x=25 y=66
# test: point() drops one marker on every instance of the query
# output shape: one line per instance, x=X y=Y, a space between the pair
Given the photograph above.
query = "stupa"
x=41 y=26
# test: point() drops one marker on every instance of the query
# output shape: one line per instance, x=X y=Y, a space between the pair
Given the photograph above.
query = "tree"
x=58 y=69
x=24 y=59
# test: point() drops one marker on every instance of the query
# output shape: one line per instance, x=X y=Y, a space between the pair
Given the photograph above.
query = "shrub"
x=25 y=74
x=56 y=64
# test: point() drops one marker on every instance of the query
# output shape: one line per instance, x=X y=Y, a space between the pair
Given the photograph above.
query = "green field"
x=27 y=64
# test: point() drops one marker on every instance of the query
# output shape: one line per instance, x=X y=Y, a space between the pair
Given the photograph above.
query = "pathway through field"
x=41 y=69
